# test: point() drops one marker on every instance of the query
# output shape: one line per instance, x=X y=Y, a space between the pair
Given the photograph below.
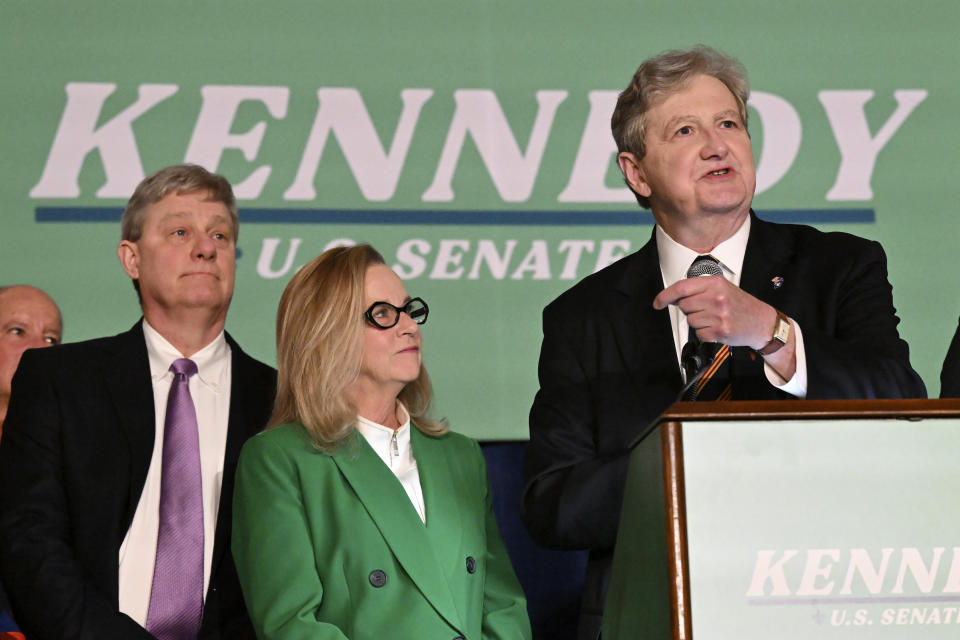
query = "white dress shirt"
x=394 y=449
x=675 y=260
x=210 y=390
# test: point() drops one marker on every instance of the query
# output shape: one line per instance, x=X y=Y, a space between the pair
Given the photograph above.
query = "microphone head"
x=704 y=266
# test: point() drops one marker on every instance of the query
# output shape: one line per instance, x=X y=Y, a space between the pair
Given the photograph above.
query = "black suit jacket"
x=950 y=374
x=608 y=368
x=74 y=456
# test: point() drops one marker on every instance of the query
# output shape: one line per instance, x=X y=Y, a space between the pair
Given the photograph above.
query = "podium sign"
x=791 y=527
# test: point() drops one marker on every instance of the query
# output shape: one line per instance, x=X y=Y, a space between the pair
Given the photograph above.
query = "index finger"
x=677 y=291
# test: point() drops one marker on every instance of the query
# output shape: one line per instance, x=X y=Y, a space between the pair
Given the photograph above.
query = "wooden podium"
x=806 y=519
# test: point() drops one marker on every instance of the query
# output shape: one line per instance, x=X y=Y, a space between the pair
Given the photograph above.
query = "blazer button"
x=471 y=565
x=378 y=578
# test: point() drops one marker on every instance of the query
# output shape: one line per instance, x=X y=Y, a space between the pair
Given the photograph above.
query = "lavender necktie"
x=176 y=599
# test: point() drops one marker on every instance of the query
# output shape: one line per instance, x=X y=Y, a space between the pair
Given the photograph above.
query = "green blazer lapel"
x=445 y=523
x=389 y=507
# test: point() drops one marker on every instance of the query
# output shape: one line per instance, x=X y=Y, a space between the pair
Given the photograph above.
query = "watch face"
x=783 y=331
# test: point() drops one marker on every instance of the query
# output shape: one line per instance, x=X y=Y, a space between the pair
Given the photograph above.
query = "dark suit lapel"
x=389 y=507
x=768 y=260
x=245 y=420
x=769 y=275
x=245 y=409
x=644 y=335
x=126 y=373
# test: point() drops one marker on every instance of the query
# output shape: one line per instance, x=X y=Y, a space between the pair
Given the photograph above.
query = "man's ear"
x=630 y=166
x=130 y=258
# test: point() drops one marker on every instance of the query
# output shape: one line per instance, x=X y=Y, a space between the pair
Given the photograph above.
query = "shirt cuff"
x=797 y=385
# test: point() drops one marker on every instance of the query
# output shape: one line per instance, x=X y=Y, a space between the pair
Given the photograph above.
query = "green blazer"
x=329 y=546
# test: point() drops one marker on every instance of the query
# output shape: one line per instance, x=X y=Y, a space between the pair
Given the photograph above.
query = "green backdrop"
x=468 y=142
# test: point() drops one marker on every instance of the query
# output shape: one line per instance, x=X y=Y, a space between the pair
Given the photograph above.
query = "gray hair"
x=180 y=179
x=662 y=75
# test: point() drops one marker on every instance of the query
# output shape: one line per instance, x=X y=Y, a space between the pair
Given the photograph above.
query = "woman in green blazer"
x=357 y=516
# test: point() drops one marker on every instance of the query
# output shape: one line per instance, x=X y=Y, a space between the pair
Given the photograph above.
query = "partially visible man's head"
x=661 y=76
x=179 y=240
x=29 y=319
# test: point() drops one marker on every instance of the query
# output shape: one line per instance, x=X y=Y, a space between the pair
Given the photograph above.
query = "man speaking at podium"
x=782 y=311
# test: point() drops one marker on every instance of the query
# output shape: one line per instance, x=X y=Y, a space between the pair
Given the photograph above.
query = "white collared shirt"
x=210 y=390
x=393 y=447
x=675 y=260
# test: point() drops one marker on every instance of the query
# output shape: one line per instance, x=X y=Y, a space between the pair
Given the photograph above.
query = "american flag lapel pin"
x=777 y=281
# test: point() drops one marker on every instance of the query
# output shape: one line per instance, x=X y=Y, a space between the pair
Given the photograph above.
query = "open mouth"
x=719 y=172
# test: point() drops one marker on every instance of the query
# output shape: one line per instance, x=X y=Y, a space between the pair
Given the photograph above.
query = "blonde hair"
x=320 y=327
x=662 y=75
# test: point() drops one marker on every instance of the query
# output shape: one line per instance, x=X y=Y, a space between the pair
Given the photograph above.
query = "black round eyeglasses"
x=384 y=315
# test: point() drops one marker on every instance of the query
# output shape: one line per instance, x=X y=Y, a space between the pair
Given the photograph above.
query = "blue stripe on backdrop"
x=439 y=217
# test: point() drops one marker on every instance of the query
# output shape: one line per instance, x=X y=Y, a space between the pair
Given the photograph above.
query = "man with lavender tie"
x=118 y=455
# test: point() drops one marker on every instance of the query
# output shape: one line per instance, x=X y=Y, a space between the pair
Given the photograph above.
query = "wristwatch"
x=781 y=333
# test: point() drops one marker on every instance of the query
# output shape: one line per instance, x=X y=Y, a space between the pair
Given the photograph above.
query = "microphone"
x=693 y=364
x=694 y=358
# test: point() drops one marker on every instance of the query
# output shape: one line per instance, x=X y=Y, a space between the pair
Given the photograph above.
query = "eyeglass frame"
x=368 y=314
